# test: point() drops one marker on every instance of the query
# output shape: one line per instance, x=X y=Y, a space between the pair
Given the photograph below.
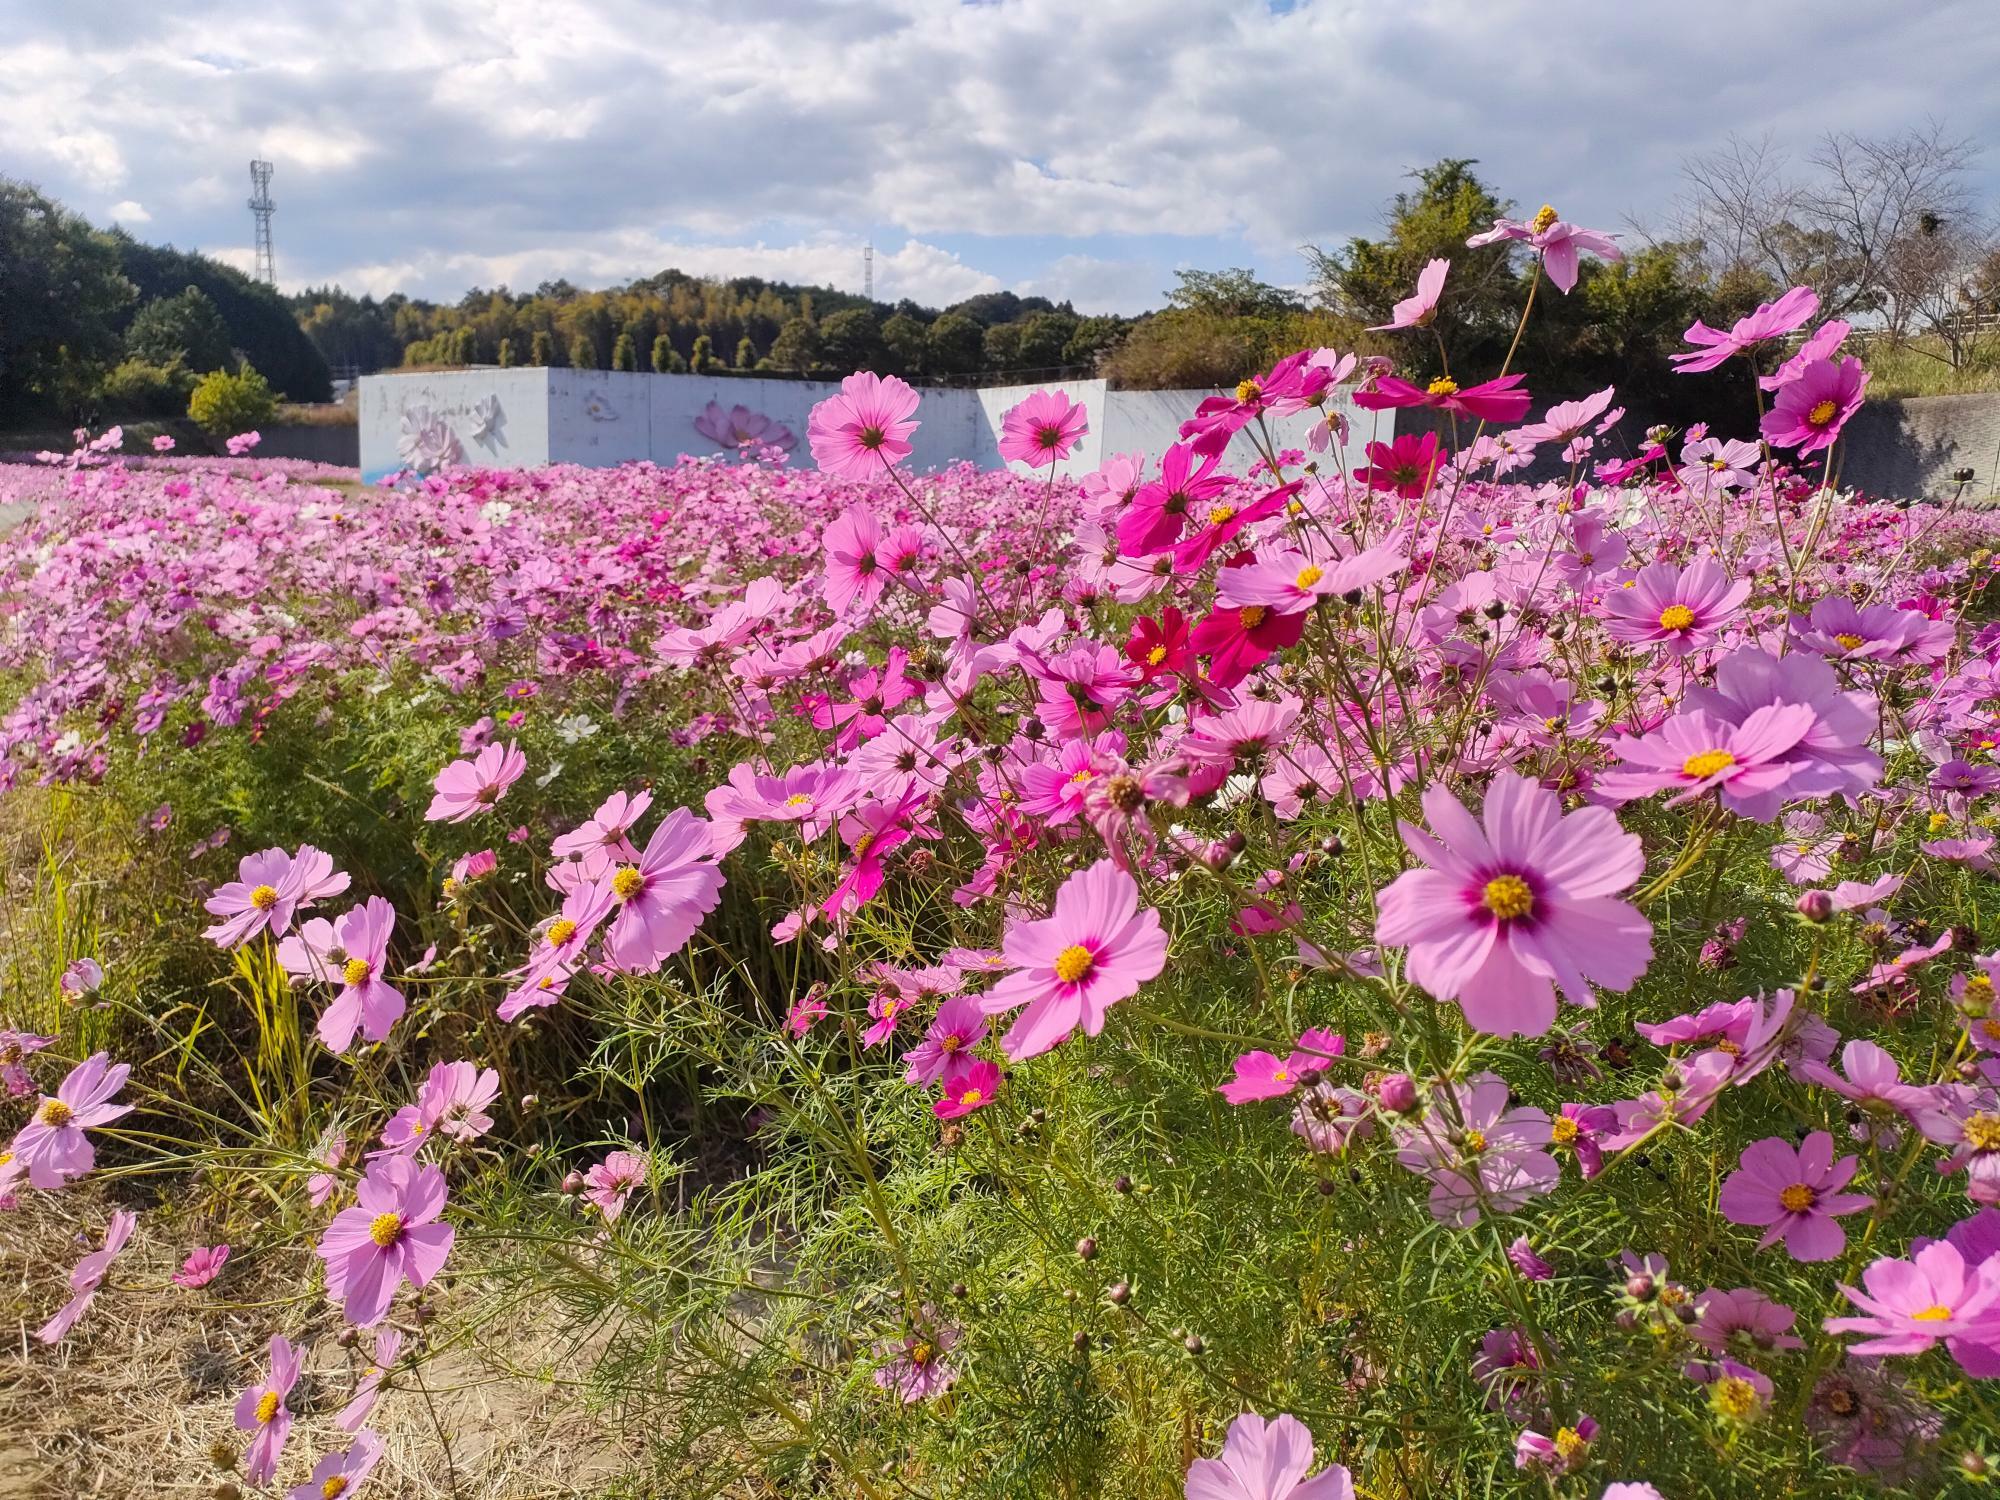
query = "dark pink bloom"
x=1501 y=400
x=390 y=1236
x=969 y=1083
x=1797 y=1193
x=467 y=787
x=203 y=1264
x=52 y=1147
x=958 y=1027
x=1160 y=509
x=1260 y=1075
x=1266 y=1461
x=1809 y=412
x=865 y=429
x=1042 y=429
x=1819 y=345
x=261 y=1411
x=1506 y=910
x=88 y=1277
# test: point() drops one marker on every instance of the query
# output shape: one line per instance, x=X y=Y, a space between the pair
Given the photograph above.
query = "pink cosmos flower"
x=1042 y=429
x=1678 y=608
x=1631 y=1489
x=663 y=898
x=1261 y=1075
x=607 y=831
x=163 y=444
x=1748 y=766
x=1567 y=1450
x=320 y=1185
x=476 y=866
x=81 y=977
x=1819 y=344
x=969 y=1083
x=1797 y=1193
x=466 y=788
x=1743 y=1318
x=1266 y=1461
x=1419 y=310
x=1330 y=1118
x=1771 y=320
x=958 y=1027
x=261 y=1410
x=1500 y=400
x=865 y=429
x=242 y=443
x=1506 y=910
x=1405 y=466
x=854 y=571
x=1482 y=1155
x=611 y=1182
x=559 y=951
x=1286 y=581
x=1874 y=1083
x=748 y=432
x=52 y=1147
x=1933 y=1296
x=917 y=1368
x=1809 y=412
x=1834 y=755
x=391 y=1235
x=1558 y=241
x=88 y=1277
x=1160 y=509
x=368 y=1390
x=367 y=1002
x=341 y=1474
x=452 y=1103
x=269 y=887
x=1095 y=949
x=811 y=795
x=15 y=1048
x=203 y=1264
x=1583 y=1128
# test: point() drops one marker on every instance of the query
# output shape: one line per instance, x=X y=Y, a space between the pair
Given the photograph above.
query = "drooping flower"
x=1501 y=400
x=1507 y=909
x=865 y=429
x=1796 y=1193
x=1096 y=948
x=87 y=1277
x=469 y=787
x=918 y=1367
x=203 y=1264
x=1417 y=311
x=368 y=1390
x=340 y=1475
x=391 y=1235
x=1558 y=242
x=52 y=1147
x=1771 y=320
x=15 y=1048
x=1405 y=466
x=1262 y=1075
x=262 y=1412
x=1042 y=429
x=611 y=1182
x=1567 y=1450
x=1266 y=1461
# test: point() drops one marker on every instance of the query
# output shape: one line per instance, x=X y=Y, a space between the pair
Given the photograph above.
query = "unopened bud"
x=1640 y=1287
x=1397 y=1093
x=1815 y=906
x=572 y=1183
x=1120 y=1293
x=1086 y=1248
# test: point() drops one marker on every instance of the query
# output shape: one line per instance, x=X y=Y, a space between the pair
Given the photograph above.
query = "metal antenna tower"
x=261 y=208
x=868 y=270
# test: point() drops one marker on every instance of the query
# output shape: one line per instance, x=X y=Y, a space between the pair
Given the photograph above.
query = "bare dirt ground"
x=138 y=1400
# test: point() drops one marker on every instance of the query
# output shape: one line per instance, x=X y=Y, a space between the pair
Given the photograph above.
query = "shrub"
x=224 y=403
x=136 y=388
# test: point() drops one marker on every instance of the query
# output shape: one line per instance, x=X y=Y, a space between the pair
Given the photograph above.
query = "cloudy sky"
x=1076 y=148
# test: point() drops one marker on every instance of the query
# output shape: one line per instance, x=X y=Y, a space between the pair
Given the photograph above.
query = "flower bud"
x=572 y=1183
x=1815 y=906
x=1397 y=1093
x=1086 y=1248
x=1193 y=1344
x=1640 y=1287
x=1120 y=1293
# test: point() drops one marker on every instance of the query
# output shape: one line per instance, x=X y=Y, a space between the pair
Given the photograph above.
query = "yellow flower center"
x=55 y=1114
x=1253 y=616
x=1931 y=1314
x=861 y=844
x=1978 y=990
x=1308 y=576
x=1248 y=390
x=1849 y=641
x=1508 y=897
x=267 y=1407
x=334 y=1488
x=1281 y=1076
x=1217 y=514
x=797 y=799
x=923 y=1354
x=1444 y=385
x=356 y=971
x=1475 y=1142
x=951 y=1043
x=1734 y=1397
x=561 y=930
x=1562 y=1130
x=1081 y=776
x=1542 y=220
x=1822 y=414
x=264 y=897
x=1939 y=822
x=627 y=883
x=1157 y=655
x=1707 y=763
x=1676 y=617
x=1571 y=1444
x=1982 y=1132
x=1797 y=1198
x=972 y=1098
x=1073 y=963
x=383 y=1229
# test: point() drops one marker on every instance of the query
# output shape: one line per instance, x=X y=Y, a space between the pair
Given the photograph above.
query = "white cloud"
x=128 y=213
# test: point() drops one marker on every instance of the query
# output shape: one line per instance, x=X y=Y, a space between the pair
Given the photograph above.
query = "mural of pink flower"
x=744 y=430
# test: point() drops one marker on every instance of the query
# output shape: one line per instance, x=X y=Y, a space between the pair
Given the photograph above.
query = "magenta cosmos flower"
x=391 y=1235
x=1678 y=608
x=1810 y=411
x=958 y=1027
x=1266 y=1461
x=261 y=1411
x=203 y=1264
x=1042 y=429
x=88 y=1277
x=1510 y=908
x=1500 y=400
x=269 y=886
x=339 y=1476
x=367 y=1002
x=969 y=1083
x=1094 y=950
x=1796 y=1193
x=1769 y=321
x=1419 y=310
x=1558 y=242
x=52 y=1147
x=1264 y=1075
x=865 y=429
x=1935 y=1295
x=663 y=898
x=469 y=787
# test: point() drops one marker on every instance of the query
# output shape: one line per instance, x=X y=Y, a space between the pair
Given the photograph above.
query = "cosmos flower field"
x=1160 y=981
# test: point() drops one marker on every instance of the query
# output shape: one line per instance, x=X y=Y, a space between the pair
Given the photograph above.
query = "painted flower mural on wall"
x=427 y=443
x=744 y=430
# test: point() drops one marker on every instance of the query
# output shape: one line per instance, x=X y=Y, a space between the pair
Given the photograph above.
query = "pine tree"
x=746 y=353
x=625 y=354
x=583 y=353
x=703 y=358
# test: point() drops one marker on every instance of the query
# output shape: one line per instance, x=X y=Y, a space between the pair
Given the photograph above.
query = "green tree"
x=625 y=354
x=1044 y=336
x=583 y=352
x=702 y=360
x=850 y=341
x=225 y=403
x=663 y=355
x=506 y=354
x=62 y=291
x=263 y=326
x=1093 y=338
x=542 y=348
x=746 y=353
x=954 y=345
x=905 y=336
x=464 y=346
x=797 y=347
x=1001 y=348
x=137 y=389
x=185 y=327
